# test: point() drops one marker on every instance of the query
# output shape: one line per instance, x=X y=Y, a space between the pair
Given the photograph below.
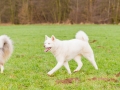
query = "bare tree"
x=59 y=11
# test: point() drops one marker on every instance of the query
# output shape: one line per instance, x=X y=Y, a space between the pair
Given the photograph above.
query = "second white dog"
x=6 y=49
x=69 y=49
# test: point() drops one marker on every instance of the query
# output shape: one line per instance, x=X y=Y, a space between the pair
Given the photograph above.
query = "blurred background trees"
x=59 y=11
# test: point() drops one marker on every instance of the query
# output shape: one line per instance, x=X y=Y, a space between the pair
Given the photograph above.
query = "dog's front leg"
x=2 y=68
x=59 y=64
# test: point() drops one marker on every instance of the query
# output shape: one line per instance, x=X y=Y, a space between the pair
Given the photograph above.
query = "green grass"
x=27 y=68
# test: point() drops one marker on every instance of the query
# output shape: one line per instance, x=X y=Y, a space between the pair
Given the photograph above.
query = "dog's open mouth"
x=47 y=49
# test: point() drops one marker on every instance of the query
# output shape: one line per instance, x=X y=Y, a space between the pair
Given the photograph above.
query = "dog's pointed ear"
x=46 y=37
x=53 y=37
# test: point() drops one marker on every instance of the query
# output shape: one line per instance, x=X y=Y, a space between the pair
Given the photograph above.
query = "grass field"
x=27 y=68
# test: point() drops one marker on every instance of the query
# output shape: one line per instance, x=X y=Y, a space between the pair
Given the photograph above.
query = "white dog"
x=69 y=49
x=6 y=49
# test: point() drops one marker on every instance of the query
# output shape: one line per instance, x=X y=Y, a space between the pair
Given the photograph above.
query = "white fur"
x=6 y=49
x=69 y=49
x=82 y=36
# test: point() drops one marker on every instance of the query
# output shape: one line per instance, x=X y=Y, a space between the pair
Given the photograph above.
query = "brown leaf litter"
x=67 y=81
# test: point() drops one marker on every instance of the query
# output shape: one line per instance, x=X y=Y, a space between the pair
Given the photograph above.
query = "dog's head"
x=49 y=42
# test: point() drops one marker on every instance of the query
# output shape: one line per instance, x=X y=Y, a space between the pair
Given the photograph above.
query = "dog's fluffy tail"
x=82 y=36
x=6 y=48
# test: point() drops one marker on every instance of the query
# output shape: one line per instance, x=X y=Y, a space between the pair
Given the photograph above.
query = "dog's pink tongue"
x=45 y=50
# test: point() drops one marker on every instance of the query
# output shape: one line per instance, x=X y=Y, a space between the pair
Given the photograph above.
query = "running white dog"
x=69 y=49
x=6 y=49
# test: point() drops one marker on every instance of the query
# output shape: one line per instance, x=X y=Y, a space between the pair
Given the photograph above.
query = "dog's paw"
x=49 y=73
x=75 y=70
x=1 y=72
x=69 y=73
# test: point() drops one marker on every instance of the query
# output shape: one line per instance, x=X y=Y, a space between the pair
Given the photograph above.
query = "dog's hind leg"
x=80 y=64
x=90 y=57
x=66 y=65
